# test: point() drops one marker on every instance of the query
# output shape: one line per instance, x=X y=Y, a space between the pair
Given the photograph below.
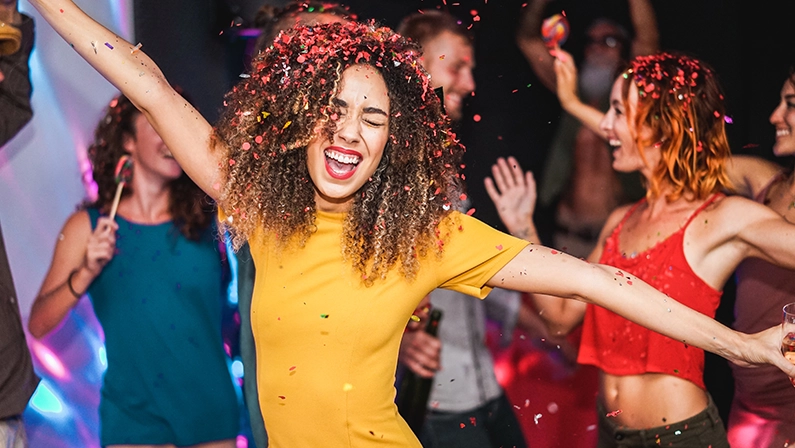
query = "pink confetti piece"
x=477 y=118
x=613 y=414
x=554 y=252
x=499 y=247
x=470 y=212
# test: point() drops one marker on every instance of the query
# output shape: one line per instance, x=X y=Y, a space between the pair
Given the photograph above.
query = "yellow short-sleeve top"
x=327 y=345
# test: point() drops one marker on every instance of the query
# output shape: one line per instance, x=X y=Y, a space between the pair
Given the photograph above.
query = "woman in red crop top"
x=666 y=121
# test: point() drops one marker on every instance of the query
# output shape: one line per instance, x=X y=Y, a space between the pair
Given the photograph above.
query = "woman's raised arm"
x=543 y=270
x=183 y=129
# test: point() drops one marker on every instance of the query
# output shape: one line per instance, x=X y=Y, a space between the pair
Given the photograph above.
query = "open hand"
x=514 y=196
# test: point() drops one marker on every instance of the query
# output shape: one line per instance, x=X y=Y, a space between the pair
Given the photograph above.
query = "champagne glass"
x=788 y=334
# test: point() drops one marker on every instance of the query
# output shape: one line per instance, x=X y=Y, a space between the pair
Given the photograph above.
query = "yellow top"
x=327 y=345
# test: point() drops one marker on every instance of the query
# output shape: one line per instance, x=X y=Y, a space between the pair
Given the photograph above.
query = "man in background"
x=17 y=378
x=467 y=407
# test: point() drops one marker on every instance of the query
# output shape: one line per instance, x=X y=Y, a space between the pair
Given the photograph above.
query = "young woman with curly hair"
x=155 y=280
x=335 y=162
x=685 y=238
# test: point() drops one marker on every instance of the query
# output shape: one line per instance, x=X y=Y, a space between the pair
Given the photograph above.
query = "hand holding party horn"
x=122 y=175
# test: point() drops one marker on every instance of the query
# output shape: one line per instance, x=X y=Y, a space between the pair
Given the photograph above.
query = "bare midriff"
x=650 y=400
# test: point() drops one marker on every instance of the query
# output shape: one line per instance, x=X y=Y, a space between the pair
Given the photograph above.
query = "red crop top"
x=620 y=347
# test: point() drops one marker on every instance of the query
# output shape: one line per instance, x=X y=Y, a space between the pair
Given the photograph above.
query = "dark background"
x=199 y=46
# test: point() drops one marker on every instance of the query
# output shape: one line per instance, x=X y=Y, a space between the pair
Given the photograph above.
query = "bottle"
x=413 y=392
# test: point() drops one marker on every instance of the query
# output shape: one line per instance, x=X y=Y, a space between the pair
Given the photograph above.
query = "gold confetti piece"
x=347 y=387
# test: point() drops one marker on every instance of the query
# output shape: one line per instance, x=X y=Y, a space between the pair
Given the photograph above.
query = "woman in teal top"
x=154 y=276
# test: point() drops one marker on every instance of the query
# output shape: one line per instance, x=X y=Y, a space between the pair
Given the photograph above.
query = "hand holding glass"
x=788 y=334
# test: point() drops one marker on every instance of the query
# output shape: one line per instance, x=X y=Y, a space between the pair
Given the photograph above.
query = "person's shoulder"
x=77 y=223
x=750 y=175
x=738 y=209
x=463 y=222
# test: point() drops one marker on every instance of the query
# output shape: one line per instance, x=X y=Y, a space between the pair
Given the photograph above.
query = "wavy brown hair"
x=191 y=209
x=272 y=115
x=681 y=103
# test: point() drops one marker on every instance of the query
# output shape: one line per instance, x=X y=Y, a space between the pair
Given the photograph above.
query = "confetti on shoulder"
x=136 y=48
x=324 y=316
x=107 y=44
x=498 y=247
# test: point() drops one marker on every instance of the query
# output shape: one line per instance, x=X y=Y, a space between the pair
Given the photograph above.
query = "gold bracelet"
x=69 y=285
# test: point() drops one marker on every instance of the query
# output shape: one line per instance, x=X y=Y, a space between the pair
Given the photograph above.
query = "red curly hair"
x=681 y=103
x=273 y=114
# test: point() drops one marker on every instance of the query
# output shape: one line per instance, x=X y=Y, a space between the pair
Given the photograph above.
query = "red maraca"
x=122 y=175
x=555 y=30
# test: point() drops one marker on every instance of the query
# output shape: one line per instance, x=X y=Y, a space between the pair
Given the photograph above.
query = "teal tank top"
x=159 y=301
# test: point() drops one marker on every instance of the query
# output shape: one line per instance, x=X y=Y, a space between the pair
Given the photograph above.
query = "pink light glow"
x=49 y=360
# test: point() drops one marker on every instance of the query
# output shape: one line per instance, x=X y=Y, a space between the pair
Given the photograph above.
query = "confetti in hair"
x=288 y=100
x=680 y=101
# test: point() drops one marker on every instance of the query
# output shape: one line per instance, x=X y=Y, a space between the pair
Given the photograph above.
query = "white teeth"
x=614 y=142
x=342 y=158
x=782 y=132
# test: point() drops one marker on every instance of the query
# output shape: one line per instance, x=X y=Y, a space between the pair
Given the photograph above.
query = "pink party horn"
x=122 y=175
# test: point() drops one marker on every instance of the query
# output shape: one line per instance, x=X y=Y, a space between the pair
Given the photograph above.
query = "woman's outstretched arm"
x=543 y=270
x=183 y=129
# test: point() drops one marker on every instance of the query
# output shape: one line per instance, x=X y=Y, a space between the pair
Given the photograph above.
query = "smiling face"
x=151 y=157
x=340 y=167
x=449 y=59
x=619 y=125
x=783 y=118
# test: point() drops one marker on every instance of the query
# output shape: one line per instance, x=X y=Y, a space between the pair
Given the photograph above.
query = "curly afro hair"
x=276 y=110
